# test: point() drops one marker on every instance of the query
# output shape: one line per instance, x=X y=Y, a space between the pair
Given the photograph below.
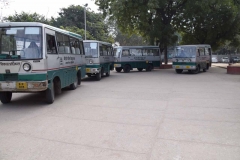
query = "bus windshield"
x=185 y=52
x=20 y=43
x=91 y=49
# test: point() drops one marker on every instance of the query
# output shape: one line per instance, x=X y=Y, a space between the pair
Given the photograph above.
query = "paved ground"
x=136 y=116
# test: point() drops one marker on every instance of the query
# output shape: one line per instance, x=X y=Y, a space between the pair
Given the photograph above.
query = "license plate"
x=187 y=67
x=88 y=69
x=21 y=85
x=177 y=67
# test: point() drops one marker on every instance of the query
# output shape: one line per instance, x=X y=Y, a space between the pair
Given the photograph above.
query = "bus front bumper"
x=23 y=86
x=188 y=67
x=92 y=70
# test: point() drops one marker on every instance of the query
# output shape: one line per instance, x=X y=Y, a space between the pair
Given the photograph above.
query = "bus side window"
x=101 y=50
x=51 y=44
x=206 y=52
x=209 y=51
x=156 y=52
x=144 y=52
x=198 y=52
x=125 y=53
x=201 y=51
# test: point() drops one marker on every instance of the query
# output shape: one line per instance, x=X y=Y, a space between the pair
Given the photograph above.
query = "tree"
x=213 y=22
x=27 y=17
x=150 y=18
x=78 y=31
x=73 y=16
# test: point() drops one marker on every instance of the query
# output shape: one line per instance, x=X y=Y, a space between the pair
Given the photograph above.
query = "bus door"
x=53 y=59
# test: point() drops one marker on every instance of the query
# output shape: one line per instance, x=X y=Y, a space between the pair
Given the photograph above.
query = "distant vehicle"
x=192 y=58
x=141 y=57
x=99 y=58
x=214 y=59
x=235 y=60
x=225 y=59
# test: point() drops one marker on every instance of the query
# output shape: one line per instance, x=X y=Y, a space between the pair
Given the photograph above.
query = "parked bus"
x=192 y=58
x=99 y=58
x=37 y=57
x=141 y=57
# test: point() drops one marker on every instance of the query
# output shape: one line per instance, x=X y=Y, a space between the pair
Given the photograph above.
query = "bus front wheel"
x=118 y=69
x=5 y=97
x=149 y=68
x=140 y=69
x=98 y=76
x=126 y=69
x=197 y=70
x=178 y=71
x=50 y=94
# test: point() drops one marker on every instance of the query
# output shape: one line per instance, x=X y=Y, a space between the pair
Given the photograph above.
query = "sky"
x=48 y=8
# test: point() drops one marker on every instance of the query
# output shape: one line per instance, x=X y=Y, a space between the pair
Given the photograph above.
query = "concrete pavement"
x=158 y=115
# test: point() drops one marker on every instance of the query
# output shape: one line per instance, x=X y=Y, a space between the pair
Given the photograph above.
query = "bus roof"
x=38 y=24
x=195 y=45
x=97 y=42
x=138 y=47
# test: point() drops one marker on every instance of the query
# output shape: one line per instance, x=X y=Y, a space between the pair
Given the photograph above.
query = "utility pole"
x=85 y=19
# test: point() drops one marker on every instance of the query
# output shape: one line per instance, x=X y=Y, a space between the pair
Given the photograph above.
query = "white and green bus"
x=36 y=57
x=141 y=57
x=192 y=58
x=99 y=58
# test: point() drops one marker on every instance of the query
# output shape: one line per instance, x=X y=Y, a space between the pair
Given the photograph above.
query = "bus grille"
x=10 y=77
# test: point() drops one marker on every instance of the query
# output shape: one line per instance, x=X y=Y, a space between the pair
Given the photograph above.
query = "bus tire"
x=207 y=67
x=178 y=71
x=50 y=94
x=98 y=76
x=74 y=85
x=140 y=69
x=102 y=72
x=118 y=69
x=126 y=68
x=149 y=68
x=204 y=70
x=6 y=97
x=57 y=87
x=197 y=70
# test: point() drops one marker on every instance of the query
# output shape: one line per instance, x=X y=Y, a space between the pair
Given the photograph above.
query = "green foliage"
x=78 y=31
x=73 y=16
x=27 y=17
x=150 y=18
x=209 y=22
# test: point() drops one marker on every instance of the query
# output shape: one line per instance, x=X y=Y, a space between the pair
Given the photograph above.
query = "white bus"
x=141 y=57
x=99 y=58
x=37 y=57
x=192 y=58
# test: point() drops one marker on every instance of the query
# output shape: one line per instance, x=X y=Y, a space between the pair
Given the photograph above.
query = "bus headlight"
x=90 y=61
x=26 y=67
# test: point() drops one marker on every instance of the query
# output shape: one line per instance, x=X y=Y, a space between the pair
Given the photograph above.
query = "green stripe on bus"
x=185 y=63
